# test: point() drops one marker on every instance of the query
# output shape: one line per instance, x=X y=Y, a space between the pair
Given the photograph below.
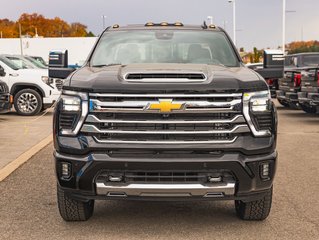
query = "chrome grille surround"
x=219 y=119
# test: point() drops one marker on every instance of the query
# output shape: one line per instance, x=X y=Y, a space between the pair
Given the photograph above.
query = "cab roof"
x=165 y=26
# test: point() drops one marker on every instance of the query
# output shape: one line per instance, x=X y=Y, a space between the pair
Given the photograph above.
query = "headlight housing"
x=258 y=111
x=71 y=103
x=47 y=80
x=72 y=111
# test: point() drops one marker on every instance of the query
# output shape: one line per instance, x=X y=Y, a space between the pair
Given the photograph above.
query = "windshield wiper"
x=107 y=65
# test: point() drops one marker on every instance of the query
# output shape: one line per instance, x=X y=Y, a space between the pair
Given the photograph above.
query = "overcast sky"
x=259 y=22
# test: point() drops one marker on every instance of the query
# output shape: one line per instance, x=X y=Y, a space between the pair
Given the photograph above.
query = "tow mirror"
x=58 y=64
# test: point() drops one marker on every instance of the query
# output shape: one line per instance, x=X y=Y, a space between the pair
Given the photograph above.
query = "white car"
x=32 y=89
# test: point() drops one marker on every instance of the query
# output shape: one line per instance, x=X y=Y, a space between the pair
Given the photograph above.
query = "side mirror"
x=2 y=72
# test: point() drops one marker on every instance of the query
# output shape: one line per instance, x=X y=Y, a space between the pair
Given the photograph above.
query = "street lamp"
x=234 y=19
x=211 y=19
x=284 y=11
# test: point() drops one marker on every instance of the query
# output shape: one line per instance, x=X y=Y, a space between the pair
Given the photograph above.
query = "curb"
x=24 y=157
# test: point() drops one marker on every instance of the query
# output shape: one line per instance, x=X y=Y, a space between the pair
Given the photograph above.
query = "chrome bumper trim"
x=166 y=190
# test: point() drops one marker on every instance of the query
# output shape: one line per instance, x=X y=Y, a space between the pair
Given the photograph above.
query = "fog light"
x=265 y=170
x=66 y=170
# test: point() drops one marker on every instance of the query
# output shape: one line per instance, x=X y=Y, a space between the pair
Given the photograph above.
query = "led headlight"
x=258 y=101
x=73 y=109
x=71 y=103
x=254 y=104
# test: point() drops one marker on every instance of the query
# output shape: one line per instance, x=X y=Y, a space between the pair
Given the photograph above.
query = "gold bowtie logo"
x=165 y=106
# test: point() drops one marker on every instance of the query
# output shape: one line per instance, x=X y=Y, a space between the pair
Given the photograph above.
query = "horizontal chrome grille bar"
x=236 y=119
x=88 y=128
x=173 y=95
x=144 y=104
x=190 y=110
x=165 y=142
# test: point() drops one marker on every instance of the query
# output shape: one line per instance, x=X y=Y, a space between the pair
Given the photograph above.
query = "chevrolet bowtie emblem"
x=165 y=106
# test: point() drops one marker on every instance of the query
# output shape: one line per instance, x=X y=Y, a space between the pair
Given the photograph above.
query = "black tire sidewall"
x=36 y=94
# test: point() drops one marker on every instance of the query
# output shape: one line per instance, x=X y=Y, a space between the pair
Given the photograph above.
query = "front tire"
x=28 y=102
x=254 y=210
x=73 y=210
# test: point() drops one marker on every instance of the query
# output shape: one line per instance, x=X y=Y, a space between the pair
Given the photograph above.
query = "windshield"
x=35 y=62
x=164 y=46
x=310 y=60
x=9 y=63
x=21 y=62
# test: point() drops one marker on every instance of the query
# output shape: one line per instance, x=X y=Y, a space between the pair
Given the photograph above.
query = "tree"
x=46 y=27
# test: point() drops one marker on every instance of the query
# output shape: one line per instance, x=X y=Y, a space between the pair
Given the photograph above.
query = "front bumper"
x=5 y=104
x=246 y=182
x=308 y=98
x=287 y=97
x=53 y=96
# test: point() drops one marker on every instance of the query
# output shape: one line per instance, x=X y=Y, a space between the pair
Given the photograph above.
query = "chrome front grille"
x=197 y=119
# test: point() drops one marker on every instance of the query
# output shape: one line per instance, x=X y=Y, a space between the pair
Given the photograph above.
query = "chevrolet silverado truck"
x=32 y=90
x=296 y=65
x=165 y=112
x=309 y=96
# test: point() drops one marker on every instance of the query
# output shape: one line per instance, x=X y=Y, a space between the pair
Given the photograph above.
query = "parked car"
x=25 y=62
x=309 y=96
x=5 y=99
x=296 y=65
x=32 y=89
x=164 y=112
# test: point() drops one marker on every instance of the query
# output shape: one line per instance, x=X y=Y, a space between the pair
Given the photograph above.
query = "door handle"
x=13 y=75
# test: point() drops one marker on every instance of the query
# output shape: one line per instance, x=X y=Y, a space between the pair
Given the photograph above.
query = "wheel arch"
x=20 y=86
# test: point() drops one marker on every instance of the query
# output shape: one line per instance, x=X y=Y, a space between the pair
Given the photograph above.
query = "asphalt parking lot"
x=28 y=206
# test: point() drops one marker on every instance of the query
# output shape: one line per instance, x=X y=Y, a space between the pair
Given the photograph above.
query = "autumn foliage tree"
x=298 y=47
x=32 y=24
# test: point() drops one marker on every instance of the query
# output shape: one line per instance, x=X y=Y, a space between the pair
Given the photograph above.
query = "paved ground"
x=28 y=207
x=27 y=132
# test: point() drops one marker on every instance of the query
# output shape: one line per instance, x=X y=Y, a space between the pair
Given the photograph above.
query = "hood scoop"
x=169 y=73
x=165 y=77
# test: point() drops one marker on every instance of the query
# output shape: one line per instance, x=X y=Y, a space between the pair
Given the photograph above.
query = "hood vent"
x=165 y=77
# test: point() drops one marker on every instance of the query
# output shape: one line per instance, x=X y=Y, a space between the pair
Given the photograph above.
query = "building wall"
x=78 y=48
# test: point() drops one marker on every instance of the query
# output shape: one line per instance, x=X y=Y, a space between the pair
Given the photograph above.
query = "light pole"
x=283 y=26
x=234 y=19
x=211 y=19
x=284 y=11
x=103 y=19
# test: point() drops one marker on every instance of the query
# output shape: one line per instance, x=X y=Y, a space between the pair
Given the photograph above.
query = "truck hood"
x=217 y=79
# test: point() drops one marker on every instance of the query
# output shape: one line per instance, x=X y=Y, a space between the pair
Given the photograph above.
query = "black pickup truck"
x=296 y=65
x=165 y=112
x=5 y=104
x=309 y=96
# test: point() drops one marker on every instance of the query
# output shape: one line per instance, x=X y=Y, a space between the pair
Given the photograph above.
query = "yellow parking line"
x=12 y=166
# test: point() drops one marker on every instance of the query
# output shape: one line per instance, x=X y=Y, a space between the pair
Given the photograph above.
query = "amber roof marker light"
x=149 y=24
